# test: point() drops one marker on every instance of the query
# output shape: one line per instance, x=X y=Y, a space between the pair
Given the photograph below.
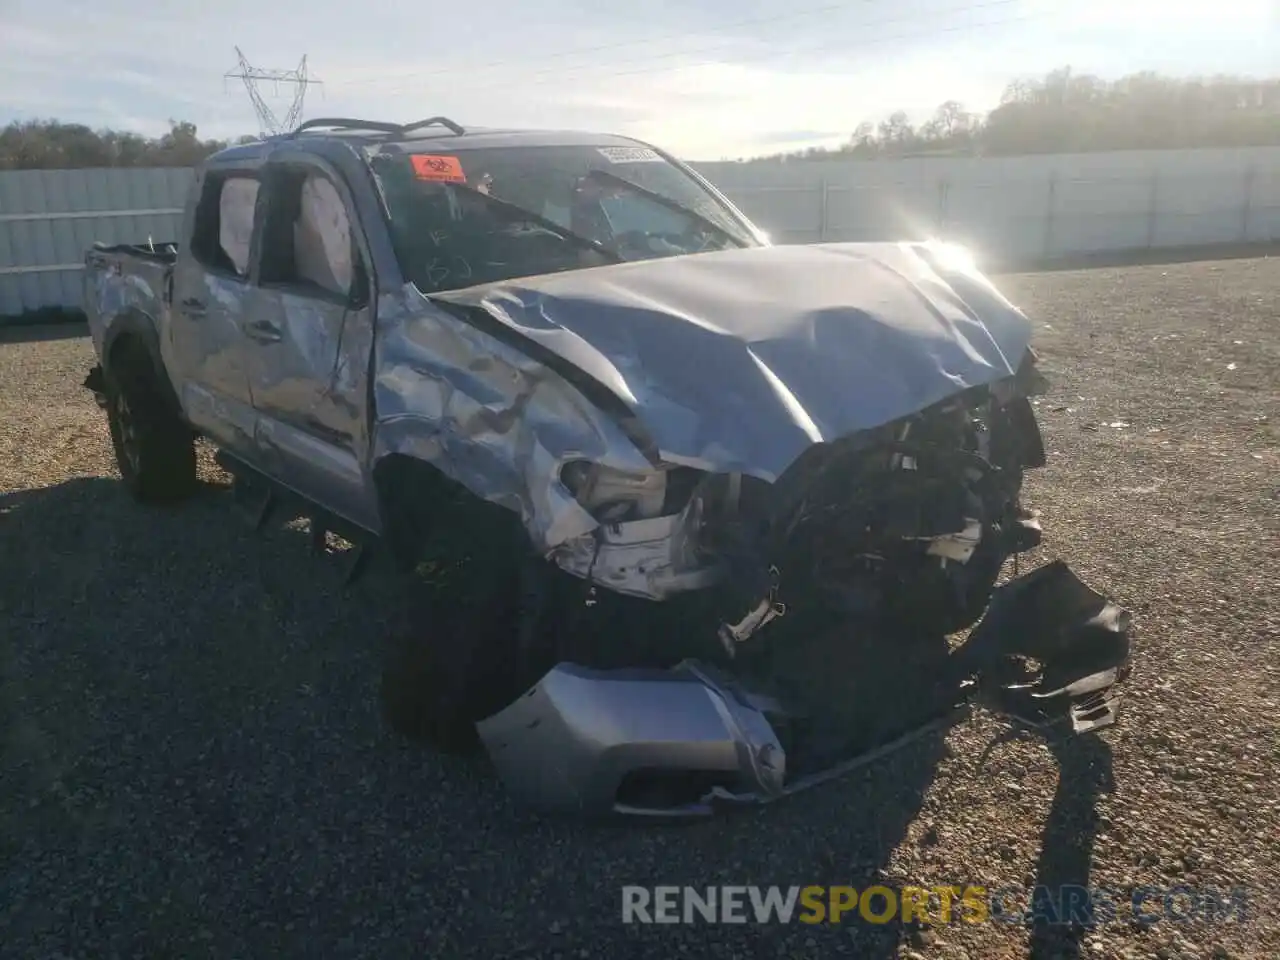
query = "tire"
x=155 y=450
x=458 y=655
x=452 y=665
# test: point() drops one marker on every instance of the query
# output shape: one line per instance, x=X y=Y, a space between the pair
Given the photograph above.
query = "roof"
x=421 y=138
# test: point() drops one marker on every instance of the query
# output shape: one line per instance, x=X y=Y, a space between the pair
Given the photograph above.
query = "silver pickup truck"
x=670 y=496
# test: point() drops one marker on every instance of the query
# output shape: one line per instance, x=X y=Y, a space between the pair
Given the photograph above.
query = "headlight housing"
x=613 y=496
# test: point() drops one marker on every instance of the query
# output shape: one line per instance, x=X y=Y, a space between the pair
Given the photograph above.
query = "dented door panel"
x=308 y=375
x=211 y=354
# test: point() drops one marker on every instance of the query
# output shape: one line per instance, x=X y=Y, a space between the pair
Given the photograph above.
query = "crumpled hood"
x=740 y=360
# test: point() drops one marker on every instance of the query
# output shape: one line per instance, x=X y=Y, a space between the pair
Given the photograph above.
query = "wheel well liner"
x=413 y=496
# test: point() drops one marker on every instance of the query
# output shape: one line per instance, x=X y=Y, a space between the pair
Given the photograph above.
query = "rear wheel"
x=155 y=450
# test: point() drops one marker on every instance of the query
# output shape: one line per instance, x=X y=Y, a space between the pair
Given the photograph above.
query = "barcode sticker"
x=629 y=155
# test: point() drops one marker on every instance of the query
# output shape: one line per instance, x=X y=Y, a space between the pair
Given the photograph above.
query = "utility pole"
x=251 y=76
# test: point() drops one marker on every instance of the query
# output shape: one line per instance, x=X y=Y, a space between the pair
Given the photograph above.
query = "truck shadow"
x=189 y=714
x=43 y=332
x=1085 y=774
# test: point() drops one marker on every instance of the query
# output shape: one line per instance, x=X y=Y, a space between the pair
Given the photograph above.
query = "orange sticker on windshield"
x=439 y=169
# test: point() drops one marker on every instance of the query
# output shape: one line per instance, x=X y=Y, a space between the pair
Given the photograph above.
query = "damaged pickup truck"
x=664 y=491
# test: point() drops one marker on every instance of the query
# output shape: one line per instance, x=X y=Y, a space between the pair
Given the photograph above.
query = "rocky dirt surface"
x=193 y=762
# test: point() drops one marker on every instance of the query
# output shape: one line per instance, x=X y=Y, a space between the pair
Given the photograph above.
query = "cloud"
x=710 y=78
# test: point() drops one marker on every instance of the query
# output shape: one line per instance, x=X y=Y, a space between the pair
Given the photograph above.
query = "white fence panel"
x=1006 y=208
x=48 y=218
x=1262 y=215
x=1019 y=208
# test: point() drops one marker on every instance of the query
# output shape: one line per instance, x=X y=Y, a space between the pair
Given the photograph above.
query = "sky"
x=707 y=79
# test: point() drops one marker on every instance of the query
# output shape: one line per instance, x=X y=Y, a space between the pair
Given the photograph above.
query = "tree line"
x=1066 y=112
x=51 y=145
x=1062 y=112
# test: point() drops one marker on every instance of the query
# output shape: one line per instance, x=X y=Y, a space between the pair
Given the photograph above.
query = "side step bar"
x=263 y=498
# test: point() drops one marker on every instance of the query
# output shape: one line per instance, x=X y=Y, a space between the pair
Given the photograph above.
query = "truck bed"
x=166 y=253
x=126 y=278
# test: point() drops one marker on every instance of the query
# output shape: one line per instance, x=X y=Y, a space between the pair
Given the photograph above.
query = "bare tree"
x=896 y=129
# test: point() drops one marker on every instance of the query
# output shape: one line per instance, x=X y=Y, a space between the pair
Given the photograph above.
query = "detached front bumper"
x=571 y=742
x=589 y=741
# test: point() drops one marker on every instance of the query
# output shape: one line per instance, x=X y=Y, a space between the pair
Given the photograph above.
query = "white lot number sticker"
x=629 y=155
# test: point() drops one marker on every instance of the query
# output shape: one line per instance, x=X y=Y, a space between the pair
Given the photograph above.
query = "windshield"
x=495 y=213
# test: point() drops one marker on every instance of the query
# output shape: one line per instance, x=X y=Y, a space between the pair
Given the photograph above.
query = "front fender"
x=488 y=416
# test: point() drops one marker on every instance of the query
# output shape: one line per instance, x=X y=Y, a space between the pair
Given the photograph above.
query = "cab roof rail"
x=457 y=128
x=346 y=123
x=380 y=126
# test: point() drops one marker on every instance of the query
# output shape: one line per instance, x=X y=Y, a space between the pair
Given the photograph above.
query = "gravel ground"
x=193 y=763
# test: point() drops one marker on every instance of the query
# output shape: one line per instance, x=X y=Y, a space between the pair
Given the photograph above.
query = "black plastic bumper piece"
x=1079 y=638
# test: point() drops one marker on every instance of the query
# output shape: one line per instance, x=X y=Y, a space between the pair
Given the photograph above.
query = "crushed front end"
x=801 y=615
x=906 y=526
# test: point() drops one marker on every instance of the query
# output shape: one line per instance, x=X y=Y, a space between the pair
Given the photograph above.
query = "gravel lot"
x=193 y=763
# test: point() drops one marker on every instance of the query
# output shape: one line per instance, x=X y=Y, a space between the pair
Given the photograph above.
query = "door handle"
x=193 y=307
x=264 y=331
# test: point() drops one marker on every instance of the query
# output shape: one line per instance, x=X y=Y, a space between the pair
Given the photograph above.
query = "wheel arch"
x=413 y=494
x=132 y=338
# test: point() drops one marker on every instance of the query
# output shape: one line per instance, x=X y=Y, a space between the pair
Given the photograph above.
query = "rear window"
x=224 y=222
x=479 y=215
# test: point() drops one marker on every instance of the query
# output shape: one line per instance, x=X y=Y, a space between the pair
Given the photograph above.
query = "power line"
x=958 y=28
x=552 y=75
x=724 y=46
x=574 y=51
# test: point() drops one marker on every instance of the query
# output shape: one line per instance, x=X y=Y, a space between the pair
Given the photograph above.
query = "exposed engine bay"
x=911 y=521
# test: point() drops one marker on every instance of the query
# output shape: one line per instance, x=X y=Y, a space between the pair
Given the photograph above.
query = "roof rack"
x=347 y=123
x=457 y=128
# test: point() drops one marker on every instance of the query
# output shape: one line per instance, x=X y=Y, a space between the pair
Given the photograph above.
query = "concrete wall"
x=1022 y=209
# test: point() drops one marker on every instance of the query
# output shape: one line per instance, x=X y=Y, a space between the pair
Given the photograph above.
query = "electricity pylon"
x=251 y=76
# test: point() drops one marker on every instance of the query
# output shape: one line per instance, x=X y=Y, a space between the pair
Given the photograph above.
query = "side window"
x=307 y=238
x=224 y=222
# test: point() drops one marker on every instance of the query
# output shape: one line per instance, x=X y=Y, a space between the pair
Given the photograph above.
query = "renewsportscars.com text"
x=952 y=903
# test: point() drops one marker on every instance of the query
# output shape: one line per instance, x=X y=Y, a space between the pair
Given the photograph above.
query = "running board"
x=262 y=499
